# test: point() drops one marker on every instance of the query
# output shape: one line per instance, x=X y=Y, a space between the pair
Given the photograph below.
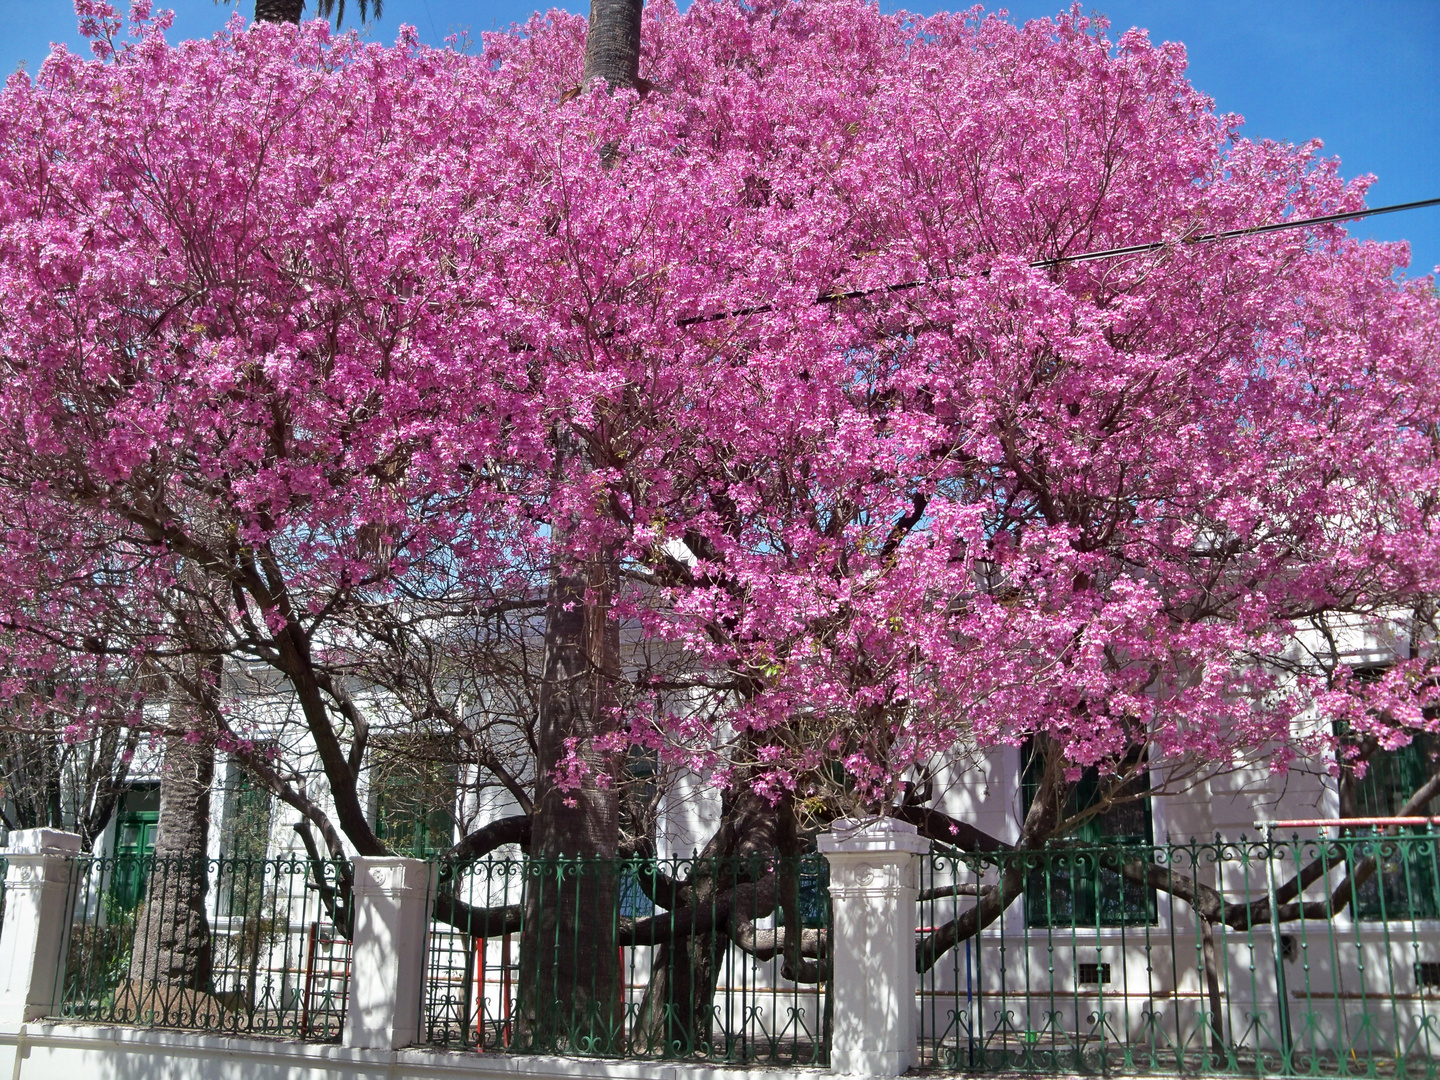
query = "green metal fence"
x=1282 y=956
x=681 y=958
x=232 y=945
x=1276 y=956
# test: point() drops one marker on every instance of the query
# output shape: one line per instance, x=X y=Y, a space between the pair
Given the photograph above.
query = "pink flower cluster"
x=307 y=316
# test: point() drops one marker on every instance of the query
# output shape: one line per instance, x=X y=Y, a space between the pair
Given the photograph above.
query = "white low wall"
x=44 y=1051
x=873 y=890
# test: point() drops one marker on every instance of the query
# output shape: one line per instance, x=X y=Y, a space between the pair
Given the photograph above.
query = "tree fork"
x=691 y=938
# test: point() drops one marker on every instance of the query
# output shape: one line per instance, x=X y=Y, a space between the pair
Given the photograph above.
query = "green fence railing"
x=680 y=958
x=1293 y=957
x=226 y=945
x=1278 y=956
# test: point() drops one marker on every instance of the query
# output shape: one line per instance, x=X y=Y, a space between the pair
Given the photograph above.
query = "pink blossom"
x=1103 y=501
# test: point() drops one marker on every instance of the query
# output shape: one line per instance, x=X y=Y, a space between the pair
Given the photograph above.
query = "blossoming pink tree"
x=1099 y=501
x=294 y=327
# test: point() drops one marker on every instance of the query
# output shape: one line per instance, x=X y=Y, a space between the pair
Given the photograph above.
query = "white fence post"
x=874 y=871
x=387 y=952
x=38 y=902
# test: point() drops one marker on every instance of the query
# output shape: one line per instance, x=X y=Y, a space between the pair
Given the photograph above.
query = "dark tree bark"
x=35 y=768
x=1045 y=813
x=676 y=1011
x=279 y=10
x=937 y=825
x=570 y=971
x=106 y=780
x=172 y=940
x=571 y=980
x=612 y=43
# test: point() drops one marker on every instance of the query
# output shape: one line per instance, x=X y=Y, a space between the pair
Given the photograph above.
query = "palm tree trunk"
x=172 y=940
x=612 y=43
x=279 y=10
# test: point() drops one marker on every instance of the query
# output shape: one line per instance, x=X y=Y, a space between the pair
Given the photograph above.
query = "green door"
x=134 y=842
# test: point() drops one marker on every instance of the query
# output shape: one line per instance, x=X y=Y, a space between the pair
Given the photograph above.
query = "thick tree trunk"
x=569 y=965
x=677 y=1011
x=612 y=43
x=279 y=10
x=1211 y=962
x=172 y=938
x=570 y=971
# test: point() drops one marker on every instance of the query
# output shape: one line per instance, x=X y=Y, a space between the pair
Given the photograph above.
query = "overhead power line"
x=1088 y=256
x=1231 y=234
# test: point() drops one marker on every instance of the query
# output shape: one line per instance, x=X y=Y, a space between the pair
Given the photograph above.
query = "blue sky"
x=1361 y=75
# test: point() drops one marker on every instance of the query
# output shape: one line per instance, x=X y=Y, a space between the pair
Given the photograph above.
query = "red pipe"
x=1340 y=823
x=309 y=981
x=480 y=982
x=505 y=989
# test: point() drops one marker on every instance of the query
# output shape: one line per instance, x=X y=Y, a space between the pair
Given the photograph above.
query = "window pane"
x=1066 y=885
x=1404 y=885
x=414 y=804
x=244 y=843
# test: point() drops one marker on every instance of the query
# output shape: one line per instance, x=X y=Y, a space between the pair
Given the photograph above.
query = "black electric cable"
x=1230 y=234
x=1088 y=256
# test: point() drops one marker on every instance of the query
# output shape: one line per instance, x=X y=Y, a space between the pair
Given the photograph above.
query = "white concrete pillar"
x=874 y=875
x=39 y=903
x=387 y=952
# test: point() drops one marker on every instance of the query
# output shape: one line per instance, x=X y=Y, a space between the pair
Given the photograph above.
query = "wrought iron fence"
x=1306 y=957
x=232 y=945
x=1303 y=957
x=680 y=958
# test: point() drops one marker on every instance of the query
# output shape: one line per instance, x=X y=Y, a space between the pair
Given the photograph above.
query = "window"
x=1404 y=885
x=1067 y=887
x=244 y=843
x=414 y=799
x=1097 y=974
x=814 y=893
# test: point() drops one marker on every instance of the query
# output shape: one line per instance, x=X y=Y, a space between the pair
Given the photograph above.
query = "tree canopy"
x=292 y=324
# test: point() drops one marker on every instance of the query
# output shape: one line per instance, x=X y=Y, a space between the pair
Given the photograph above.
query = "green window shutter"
x=415 y=805
x=1066 y=886
x=1404 y=885
x=244 y=844
x=135 y=827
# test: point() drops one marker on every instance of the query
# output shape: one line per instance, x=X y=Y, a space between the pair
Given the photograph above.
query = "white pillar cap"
x=871 y=835
x=43 y=842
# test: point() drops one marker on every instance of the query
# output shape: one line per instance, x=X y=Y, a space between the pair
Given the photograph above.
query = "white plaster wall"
x=983 y=790
x=689 y=813
x=53 y=1051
